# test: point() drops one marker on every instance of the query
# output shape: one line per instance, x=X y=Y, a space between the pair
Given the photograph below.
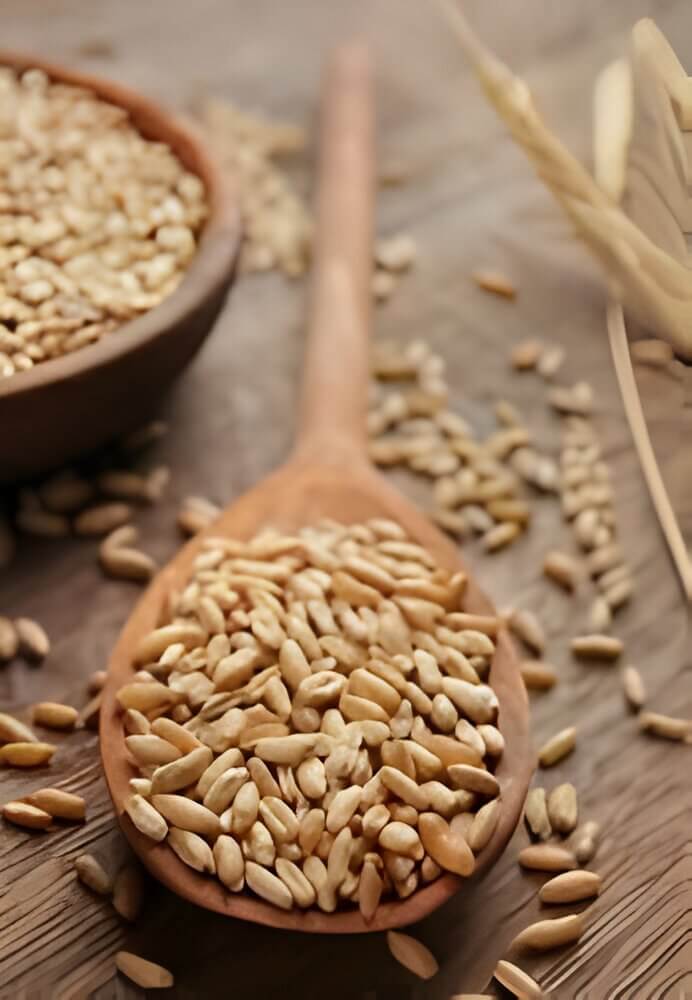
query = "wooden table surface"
x=471 y=199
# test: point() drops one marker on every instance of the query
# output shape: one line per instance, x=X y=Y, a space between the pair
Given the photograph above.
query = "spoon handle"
x=337 y=363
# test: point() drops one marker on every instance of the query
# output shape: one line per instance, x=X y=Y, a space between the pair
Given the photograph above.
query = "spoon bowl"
x=299 y=494
x=328 y=476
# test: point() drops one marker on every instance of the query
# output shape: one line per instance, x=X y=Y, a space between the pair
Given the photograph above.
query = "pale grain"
x=597 y=647
x=148 y=975
x=536 y=814
x=666 y=726
x=557 y=747
x=547 y=858
x=23 y=754
x=60 y=804
x=519 y=983
x=53 y=715
x=562 y=808
x=412 y=954
x=92 y=873
x=32 y=638
x=27 y=815
x=570 y=887
x=538 y=675
x=546 y=935
x=633 y=687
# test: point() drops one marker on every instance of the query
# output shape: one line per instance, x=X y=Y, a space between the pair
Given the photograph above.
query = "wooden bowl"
x=68 y=406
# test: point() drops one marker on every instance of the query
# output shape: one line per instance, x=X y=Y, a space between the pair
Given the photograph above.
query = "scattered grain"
x=9 y=640
x=58 y=803
x=396 y=253
x=103 y=518
x=501 y=535
x=545 y=935
x=551 y=360
x=494 y=282
x=562 y=568
x=525 y=355
x=146 y=974
x=584 y=842
x=570 y=887
x=538 y=675
x=600 y=615
x=92 y=873
x=412 y=954
x=547 y=858
x=26 y=815
x=22 y=754
x=536 y=814
x=597 y=647
x=14 y=731
x=526 y=626
x=54 y=715
x=558 y=747
x=562 y=808
x=666 y=726
x=519 y=983
x=32 y=638
x=633 y=687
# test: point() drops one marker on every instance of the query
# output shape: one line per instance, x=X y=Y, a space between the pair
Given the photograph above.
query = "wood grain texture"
x=471 y=201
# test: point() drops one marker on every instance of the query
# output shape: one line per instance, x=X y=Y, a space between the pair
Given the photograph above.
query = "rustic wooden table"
x=470 y=199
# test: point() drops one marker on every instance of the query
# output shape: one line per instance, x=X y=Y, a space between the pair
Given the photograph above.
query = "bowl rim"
x=217 y=248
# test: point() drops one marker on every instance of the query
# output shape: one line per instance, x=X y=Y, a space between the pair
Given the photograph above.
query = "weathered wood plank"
x=470 y=200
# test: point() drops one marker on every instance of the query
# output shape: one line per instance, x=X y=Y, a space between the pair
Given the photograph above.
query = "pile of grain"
x=312 y=720
x=97 y=223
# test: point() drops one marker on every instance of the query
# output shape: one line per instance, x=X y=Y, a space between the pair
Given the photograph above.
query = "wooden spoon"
x=328 y=475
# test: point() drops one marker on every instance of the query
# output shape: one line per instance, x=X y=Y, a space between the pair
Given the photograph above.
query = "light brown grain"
x=59 y=803
x=26 y=754
x=666 y=726
x=33 y=641
x=538 y=675
x=102 y=518
x=557 y=747
x=597 y=647
x=495 y=282
x=519 y=983
x=633 y=687
x=536 y=814
x=148 y=975
x=412 y=954
x=9 y=640
x=14 y=731
x=570 y=887
x=526 y=626
x=92 y=873
x=562 y=568
x=27 y=815
x=546 y=935
x=53 y=715
x=562 y=808
x=547 y=858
